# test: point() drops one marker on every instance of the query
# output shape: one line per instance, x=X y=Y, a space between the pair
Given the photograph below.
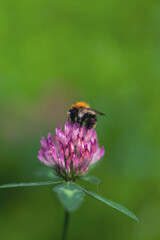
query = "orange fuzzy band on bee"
x=78 y=105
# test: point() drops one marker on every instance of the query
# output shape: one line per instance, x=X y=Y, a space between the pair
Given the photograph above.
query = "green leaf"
x=69 y=195
x=33 y=184
x=111 y=204
x=91 y=179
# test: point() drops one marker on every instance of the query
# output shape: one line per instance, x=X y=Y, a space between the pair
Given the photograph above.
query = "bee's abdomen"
x=90 y=120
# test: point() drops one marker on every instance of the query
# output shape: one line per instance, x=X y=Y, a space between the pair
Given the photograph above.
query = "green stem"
x=65 y=226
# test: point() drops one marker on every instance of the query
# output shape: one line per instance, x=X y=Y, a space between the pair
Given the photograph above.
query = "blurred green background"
x=106 y=53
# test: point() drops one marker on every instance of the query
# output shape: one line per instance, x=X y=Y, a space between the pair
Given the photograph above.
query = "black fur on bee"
x=83 y=116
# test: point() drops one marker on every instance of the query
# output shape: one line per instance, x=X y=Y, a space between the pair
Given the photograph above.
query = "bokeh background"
x=106 y=53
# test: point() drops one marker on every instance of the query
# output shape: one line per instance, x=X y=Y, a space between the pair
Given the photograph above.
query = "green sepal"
x=93 y=166
x=47 y=174
x=89 y=178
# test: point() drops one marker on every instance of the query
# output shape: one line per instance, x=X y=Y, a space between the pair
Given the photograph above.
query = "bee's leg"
x=81 y=123
x=84 y=118
x=72 y=114
x=79 y=120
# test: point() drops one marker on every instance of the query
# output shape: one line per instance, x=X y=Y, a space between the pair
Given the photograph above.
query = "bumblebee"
x=81 y=112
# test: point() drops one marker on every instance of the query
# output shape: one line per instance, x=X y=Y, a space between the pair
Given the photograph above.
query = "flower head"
x=71 y=151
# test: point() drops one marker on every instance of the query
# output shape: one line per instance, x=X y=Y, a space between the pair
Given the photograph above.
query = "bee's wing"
x=100 y=113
